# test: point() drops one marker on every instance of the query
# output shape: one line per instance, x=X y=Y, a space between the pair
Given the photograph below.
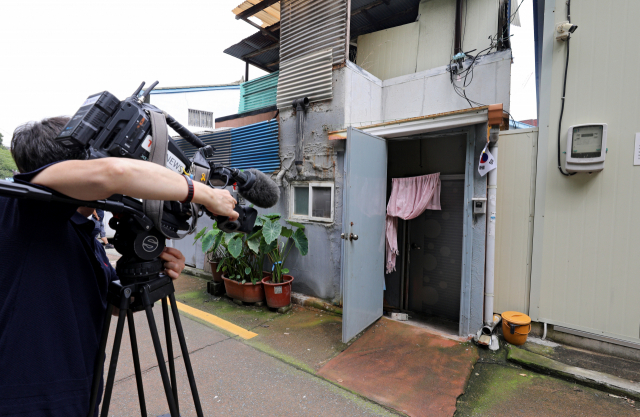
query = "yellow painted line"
x=217 y=321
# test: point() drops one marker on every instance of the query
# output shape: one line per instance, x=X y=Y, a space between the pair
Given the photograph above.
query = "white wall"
x=369 y=100
x=586 y=235
x=220 y=102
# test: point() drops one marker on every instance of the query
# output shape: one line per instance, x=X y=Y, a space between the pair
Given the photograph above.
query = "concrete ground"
x=232 y=377
x=281 y=371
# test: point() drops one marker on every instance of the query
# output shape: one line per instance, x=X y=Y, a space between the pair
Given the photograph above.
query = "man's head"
x=33 y=144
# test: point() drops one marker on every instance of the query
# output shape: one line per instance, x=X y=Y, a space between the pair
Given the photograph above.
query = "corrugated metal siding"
x=221 y=141
x=586 y=240
x=256 y=146
x=312 y=25
x=389 y=53
x=309 y=76
x=259 y=93
x=514 y=219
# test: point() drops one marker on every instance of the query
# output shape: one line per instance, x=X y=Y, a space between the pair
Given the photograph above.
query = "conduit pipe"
x=492 y=188
x=300 y=105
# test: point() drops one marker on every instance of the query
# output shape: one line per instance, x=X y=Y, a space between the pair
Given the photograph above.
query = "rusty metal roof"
x=267 y=61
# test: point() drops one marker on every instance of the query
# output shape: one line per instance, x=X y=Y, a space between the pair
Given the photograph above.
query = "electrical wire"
x=564 y=90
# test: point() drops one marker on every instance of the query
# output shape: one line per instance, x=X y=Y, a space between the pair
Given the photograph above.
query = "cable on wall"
x=564 y=90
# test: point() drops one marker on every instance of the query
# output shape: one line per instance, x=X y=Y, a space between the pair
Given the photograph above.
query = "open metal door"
x=363 y=228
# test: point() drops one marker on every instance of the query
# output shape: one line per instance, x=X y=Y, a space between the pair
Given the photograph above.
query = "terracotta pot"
x=278 y=295
x=217 y=276
x=246 y=292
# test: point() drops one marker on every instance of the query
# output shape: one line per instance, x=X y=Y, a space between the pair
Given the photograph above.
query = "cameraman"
x=53 y=286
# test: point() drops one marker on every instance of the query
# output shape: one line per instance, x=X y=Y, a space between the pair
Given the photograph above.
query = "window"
x=312 y=201
x=200 y=118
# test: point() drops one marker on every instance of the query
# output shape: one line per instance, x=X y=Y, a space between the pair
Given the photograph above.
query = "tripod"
x=144 y=295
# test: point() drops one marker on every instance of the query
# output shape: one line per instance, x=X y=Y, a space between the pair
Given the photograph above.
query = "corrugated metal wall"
x=256 y=146
x=389 y=53
x=259 y=93
x=514 y=219
x=220 y=140
x=312 y=25
x=252 y=146
x=309 y=76
x=587 y=228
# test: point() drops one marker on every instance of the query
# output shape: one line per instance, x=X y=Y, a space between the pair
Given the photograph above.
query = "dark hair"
x=33 y=145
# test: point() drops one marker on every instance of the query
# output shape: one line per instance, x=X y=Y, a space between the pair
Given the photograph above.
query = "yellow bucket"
x=515 y=327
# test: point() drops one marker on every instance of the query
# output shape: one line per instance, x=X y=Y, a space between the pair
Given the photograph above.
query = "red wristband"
x=190 y=193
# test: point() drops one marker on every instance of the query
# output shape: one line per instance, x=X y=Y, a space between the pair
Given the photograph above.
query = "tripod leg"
x=161 y=365
x=136 y=363
x=172 y=365
x=114 y=363
x=185 y=354
x=99 y=364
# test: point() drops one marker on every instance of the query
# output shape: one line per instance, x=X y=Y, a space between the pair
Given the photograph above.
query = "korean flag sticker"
x=487 y=162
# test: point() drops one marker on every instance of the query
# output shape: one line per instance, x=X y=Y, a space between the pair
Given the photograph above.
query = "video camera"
x=105 y=126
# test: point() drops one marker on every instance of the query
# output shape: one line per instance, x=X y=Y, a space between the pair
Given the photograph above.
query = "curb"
x=198 y=273
x=593 y=379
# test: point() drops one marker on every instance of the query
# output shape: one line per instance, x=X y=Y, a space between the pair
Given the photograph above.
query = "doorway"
x=428 y=277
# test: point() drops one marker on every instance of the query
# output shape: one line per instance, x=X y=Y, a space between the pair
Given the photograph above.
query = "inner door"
x=435 y=268
x=363 y=231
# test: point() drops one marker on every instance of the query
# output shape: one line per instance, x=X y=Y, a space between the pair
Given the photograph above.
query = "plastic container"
x=515 y=327
x=278 y=295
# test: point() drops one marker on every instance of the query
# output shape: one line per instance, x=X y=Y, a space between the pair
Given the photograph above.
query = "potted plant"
x=276 y=242
x=240 y=268
x=212 y=256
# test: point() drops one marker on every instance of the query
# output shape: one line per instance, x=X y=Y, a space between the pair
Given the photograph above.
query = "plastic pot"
x=515 y=327
x=278 y=295
x=246 y=292
x=217 y=276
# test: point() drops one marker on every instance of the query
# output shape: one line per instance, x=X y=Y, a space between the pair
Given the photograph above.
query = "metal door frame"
x=471 y=299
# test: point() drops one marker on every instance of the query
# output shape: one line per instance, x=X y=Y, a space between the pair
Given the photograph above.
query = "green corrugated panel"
x=259 y=93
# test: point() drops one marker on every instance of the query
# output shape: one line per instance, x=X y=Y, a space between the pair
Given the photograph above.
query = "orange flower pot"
x=217 y=275
x=246 y=292
x=278 y=295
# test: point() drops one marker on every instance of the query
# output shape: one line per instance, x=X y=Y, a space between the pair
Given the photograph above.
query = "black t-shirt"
x=53 y=285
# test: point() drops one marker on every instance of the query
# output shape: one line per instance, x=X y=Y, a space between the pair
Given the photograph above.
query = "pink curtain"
x=410 y=197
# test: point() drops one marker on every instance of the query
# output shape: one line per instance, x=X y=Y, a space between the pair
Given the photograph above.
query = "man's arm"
x=101 y=178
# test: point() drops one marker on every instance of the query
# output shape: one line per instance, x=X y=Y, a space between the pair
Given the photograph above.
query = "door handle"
x=415 y=246
x=353 y=237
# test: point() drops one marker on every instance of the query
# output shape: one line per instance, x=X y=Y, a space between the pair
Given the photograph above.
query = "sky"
x=56 y=53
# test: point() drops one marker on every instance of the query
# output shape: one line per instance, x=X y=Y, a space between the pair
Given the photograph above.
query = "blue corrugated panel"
x=259 y=93
x=256 y=146
x=221 y=141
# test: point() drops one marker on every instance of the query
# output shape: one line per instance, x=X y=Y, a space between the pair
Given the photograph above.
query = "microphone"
x=258 y=188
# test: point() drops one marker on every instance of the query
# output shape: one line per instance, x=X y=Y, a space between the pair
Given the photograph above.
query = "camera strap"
x=154 y=209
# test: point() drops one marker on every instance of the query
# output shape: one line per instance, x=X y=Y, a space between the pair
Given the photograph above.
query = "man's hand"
x=174 y=262
x=217 y=201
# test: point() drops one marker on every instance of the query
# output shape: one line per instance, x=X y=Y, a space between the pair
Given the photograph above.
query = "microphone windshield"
x=264 y=193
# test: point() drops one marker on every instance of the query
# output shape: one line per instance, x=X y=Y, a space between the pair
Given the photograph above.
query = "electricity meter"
x=586 y=148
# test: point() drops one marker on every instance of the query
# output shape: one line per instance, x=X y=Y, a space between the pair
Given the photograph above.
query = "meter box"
x=586 y=147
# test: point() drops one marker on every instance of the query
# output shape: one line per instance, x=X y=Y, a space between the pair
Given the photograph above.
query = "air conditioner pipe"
x=300 y=105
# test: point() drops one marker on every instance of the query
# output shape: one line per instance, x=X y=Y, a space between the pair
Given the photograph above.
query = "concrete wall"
x=318 y=273
x=585 y=253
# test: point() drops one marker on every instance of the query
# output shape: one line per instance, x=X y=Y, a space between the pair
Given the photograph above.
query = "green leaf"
x=229 y=236
x=208 y=240
x=259 y=221
x=273 y=216
x=217 y=242
x=224 y=269
x=235 y=247
x=296 y=224
x=243 y=281
x=271 y=231
x=247 y=271
x=199 y=235
x=267 y=247
x=285 y=271
x=254 y=244
x=300 y=239
x=286 y=232
x=257 y=234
